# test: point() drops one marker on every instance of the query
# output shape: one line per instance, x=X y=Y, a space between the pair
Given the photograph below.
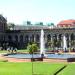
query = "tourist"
x=8 y=49
x=11 y=49
x=15 y=49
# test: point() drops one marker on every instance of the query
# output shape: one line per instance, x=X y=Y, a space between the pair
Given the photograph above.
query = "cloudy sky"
x=19 y=11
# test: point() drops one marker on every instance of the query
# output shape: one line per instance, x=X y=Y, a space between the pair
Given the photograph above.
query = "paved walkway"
x=29 y=60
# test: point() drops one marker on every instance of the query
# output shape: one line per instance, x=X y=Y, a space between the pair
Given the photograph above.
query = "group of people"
x=12 y=49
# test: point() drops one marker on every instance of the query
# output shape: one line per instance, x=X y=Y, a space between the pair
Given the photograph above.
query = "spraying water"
x=64 y=43
x=42 y=48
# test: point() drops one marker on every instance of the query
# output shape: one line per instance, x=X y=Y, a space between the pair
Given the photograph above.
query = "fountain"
x=64 y=43
x=42 y=48
x=48 y=56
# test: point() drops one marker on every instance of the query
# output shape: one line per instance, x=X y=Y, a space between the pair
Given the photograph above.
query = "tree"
x=32 y=48
x=49 y=44
x=11 y=26
x=58 y=43
x=72 y=43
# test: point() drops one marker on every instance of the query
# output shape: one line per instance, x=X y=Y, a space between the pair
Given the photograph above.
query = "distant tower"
x=3 y=23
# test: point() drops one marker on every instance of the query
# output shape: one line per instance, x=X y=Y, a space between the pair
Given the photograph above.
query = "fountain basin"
x=49 y=56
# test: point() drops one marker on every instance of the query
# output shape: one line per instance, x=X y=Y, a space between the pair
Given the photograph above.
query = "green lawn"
x=69 y=70
x=40 y=68
x=46 y=68
x=23 y=50
x=5 y=51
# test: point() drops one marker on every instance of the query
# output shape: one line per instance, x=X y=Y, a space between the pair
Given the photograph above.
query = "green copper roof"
x=50 y=24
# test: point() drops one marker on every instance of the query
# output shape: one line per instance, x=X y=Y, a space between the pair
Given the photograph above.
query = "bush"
x=3 y=60
x=32 y=48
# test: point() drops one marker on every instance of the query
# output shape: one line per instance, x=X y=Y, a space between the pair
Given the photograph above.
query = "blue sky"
x=18 y=11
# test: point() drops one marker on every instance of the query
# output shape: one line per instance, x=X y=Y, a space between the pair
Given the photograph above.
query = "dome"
x=66 y=23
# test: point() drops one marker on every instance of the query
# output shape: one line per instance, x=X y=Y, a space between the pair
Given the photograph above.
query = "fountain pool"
x=50 y=56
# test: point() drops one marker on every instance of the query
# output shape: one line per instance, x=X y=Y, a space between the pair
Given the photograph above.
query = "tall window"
x=26 y=38
x=48 y=37
x=21 y=38
x=55 y=37
x=32 y=38
x=60 y=36
x=72 y=36
x=9 y=38
x=37 y=38
x=16 y=38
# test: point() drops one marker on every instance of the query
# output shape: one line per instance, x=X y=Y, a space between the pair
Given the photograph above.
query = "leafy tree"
x=72 y=43
x=11 y=26
x=49 y=43
x=29 y=47
x=32 y=48
x=58 y=43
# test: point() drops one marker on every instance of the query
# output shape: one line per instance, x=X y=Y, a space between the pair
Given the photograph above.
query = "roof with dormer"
x=66 y=23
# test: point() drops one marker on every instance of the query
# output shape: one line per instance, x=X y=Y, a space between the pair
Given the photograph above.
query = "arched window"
x=67 y=36
x=72 y=36
x=9 y=38
x=16 y=38
x=32 y=38
x=55 y=37
x=26 y=38
x=37 y=38
x=21 y=38
x=48 y=37
x=60 y=36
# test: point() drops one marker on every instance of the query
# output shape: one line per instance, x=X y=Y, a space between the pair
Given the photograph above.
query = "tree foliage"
x=11 y=26
x=32 y=48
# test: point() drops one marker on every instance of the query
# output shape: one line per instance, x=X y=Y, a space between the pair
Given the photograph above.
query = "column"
x=45 y=38
x=34 y=38
x=69 y=40
x=64 y=42
x=18 y=38
x=61 y=41
x=29 y=38
x=51 y=40
x=58 y=38
x=57 y=35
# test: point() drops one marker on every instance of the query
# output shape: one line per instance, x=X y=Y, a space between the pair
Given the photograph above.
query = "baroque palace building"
x=61 y=35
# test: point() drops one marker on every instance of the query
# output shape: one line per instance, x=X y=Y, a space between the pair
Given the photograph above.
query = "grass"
x=5 y=51
x=69 y=70
x=23 y=50
x=46 y=68
x=7 y=68
x=39 y=68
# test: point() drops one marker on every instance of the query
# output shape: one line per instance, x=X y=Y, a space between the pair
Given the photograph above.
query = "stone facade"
x=20 y=36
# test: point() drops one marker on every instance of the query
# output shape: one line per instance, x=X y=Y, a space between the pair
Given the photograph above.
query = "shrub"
x=32 y=48
x=3 y=60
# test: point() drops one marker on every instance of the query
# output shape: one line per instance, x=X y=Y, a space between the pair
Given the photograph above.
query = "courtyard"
x=13 y=66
